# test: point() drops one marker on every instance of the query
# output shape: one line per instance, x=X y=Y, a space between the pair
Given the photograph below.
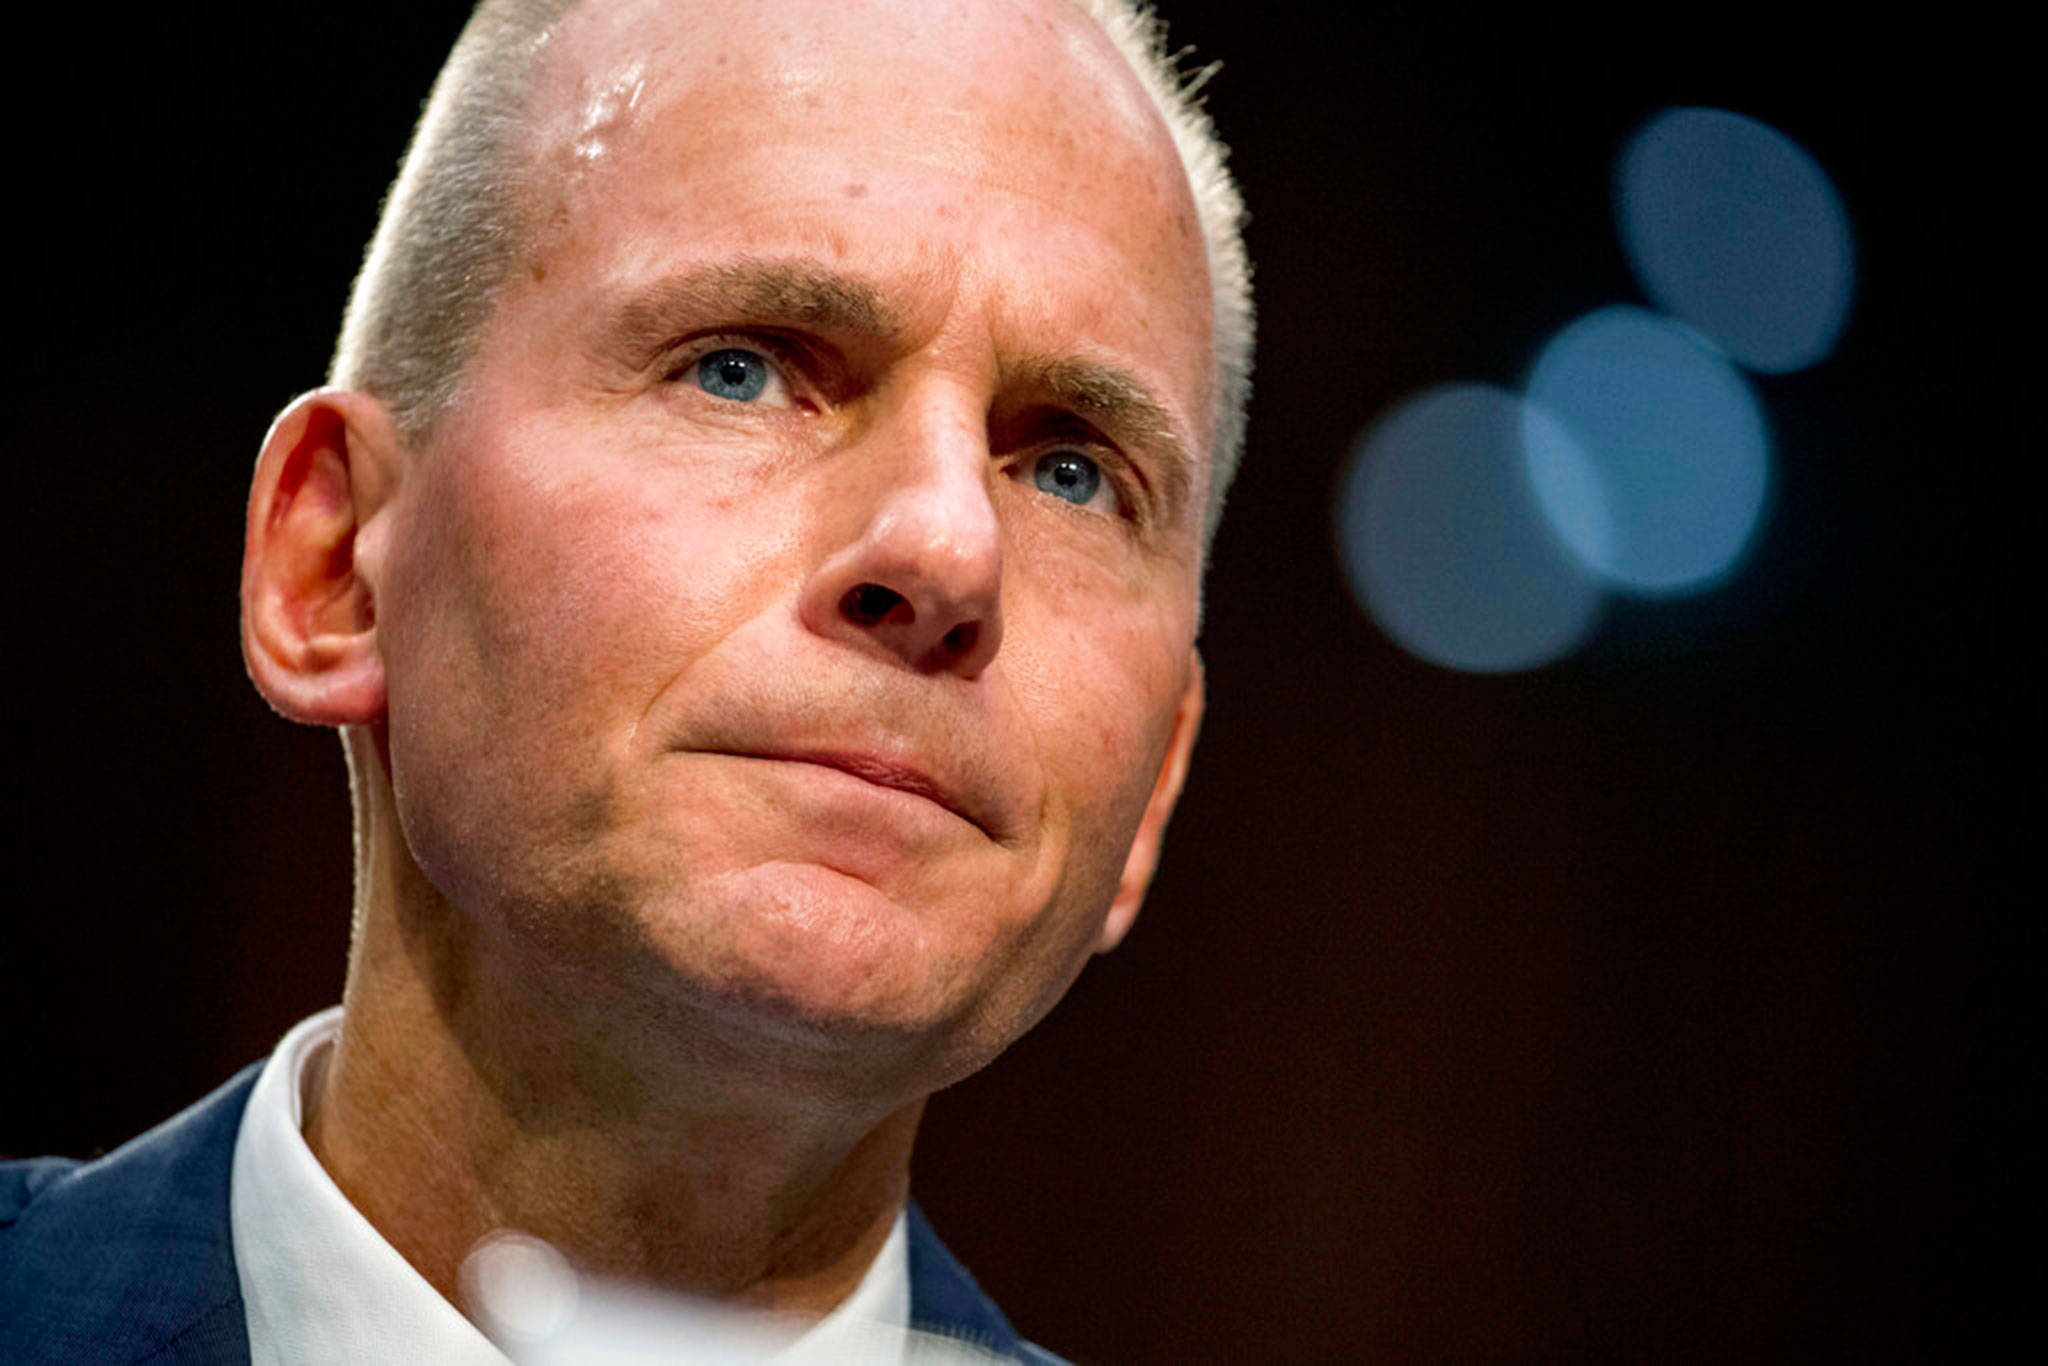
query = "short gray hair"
x=452 y=225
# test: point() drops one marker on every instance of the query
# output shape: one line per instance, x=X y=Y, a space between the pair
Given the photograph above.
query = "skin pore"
x=771 y=680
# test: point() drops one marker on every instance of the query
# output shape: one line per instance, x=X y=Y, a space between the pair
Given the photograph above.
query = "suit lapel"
x=128 y=1258
x=944 y=1298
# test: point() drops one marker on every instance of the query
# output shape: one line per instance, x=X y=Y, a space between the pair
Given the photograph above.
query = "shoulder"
x=945 y=1299
x=21 y=1182
x=128 y=1257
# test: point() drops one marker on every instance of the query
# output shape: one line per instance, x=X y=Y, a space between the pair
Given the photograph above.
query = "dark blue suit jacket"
x=129 y=1258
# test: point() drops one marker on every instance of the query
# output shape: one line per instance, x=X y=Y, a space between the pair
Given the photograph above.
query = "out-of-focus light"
x=1646 y=451
x=1734 y=228
x=525 y=1288
x=1443 y=540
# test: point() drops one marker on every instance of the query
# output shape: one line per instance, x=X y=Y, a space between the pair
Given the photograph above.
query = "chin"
x=823 y=960
x=806 y=978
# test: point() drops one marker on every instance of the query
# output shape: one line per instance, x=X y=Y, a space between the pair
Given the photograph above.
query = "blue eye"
x=740 y=376
x=1068 y=475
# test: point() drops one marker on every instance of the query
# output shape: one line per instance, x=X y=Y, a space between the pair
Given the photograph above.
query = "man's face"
x=800 y=595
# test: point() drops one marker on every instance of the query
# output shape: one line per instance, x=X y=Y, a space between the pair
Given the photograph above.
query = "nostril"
x=961 y=638
x=870 y=604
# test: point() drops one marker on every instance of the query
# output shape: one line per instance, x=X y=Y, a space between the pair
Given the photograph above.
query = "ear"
x=309 y=613
x=1144 y=856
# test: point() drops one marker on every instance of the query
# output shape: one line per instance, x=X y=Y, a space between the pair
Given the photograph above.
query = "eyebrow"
x=1124 y=407
x=744 y=292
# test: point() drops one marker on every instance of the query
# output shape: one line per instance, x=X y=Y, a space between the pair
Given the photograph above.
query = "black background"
x=1641 y=1006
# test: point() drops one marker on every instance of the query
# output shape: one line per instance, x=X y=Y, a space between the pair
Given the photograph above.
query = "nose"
x=918 y=572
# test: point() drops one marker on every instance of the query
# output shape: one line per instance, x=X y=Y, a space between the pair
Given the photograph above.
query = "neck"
x=463 y=1098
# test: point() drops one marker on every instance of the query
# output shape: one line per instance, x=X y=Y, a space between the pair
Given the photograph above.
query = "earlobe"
x=1143 y=859
x=309 y=606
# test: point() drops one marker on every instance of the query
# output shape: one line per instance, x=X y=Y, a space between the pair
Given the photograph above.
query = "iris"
x=733 y=374
x=1068 y=475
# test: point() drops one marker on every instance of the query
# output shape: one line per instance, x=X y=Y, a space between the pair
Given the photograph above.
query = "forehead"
x=992 y=145
x=991 y=71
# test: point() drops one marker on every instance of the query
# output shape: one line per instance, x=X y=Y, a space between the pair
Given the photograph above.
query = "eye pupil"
x=733 y=374
x=1070 y=476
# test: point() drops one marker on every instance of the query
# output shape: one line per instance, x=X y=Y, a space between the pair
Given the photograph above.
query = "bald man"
x=751 y=546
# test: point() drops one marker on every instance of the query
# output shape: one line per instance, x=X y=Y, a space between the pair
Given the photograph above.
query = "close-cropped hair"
x=453 y=222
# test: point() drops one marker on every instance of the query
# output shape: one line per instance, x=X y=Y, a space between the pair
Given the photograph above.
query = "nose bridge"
x=935 y=501
x=918 y=573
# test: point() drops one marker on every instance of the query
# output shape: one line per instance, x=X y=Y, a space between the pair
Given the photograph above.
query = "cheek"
x=579 y=588
x=535 y=612
x=1099 y=690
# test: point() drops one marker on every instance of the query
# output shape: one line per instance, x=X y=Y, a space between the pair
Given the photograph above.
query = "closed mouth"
x=880 y=772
